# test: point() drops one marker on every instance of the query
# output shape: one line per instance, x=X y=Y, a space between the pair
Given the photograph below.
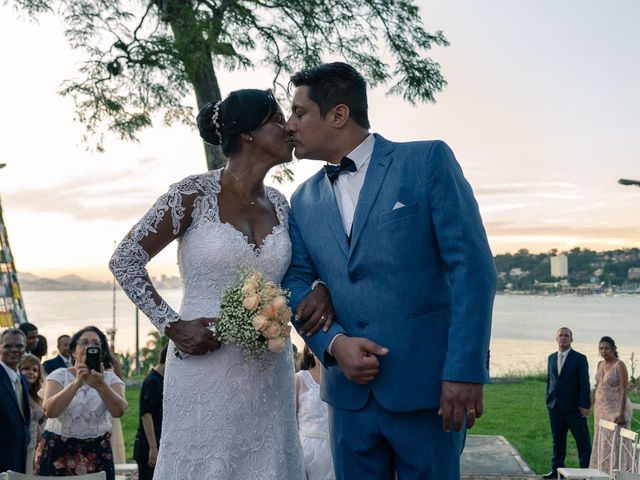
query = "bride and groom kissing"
x=391 y=278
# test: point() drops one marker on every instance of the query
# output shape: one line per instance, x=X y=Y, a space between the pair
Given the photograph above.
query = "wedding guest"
x=313 y=420
x=568 y=401
x=31 y=332
x=145 y=448
x=78 y=402
x=41 y=348
x=32 y=370
x=63 y=359
x=14 y=402
x=610 y=402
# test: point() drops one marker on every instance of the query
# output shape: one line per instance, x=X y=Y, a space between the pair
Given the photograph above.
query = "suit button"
x=362 y=325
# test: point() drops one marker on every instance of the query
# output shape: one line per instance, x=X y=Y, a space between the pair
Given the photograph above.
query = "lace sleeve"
x=150 y=235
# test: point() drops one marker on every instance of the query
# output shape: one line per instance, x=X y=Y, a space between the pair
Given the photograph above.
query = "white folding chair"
x=23 y=476
x=618 y=475
x=627 y=451
x=606 y=435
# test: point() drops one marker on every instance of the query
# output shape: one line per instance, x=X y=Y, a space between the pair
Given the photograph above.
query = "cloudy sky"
x=542 y=110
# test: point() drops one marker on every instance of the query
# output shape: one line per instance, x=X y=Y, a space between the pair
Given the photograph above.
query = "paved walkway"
x=492 y=457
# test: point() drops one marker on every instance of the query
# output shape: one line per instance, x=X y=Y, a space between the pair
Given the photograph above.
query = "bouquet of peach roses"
x=254 y=316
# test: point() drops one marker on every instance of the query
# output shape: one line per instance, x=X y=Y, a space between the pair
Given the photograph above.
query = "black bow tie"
x=333 y=171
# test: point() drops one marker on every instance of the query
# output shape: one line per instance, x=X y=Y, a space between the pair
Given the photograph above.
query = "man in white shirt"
x=394 y=232
x=15 y=414
x=568 y=401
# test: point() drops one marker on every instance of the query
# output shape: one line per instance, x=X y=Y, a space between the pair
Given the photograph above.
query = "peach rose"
x=251 y=302
x=272 y=330
x=279 y=302
x=277 y=345
x=260 y=322
x=249 y=288
x=286 y=315
x=255 y=277
x=269 y=311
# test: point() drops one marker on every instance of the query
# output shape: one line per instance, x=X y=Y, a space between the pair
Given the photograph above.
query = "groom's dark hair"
x=333 y=84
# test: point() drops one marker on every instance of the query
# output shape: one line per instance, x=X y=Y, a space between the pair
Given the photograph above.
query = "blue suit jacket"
x=569 y=390
x=419 y=279
x=14 y=429
x=54 y=364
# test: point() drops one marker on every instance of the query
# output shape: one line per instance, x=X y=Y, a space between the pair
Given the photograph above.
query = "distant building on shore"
x=559 y=266
x=633 y=273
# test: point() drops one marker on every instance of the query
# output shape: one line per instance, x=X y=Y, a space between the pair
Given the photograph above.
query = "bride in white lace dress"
x=224 y=418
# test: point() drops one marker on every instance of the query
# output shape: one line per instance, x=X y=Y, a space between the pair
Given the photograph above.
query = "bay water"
x=523 y=330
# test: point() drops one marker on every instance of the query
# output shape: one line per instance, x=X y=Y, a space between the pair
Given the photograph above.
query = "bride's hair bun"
x=210 y=130
x=242 y=111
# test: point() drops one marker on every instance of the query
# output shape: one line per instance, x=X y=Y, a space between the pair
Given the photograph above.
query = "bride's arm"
x=167 y=220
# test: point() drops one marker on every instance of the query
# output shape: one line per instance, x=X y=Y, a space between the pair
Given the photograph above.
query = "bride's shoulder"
x=201 y=183
x=278 y=196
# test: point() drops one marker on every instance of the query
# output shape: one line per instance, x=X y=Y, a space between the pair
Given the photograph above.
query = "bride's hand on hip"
x=315 y=310
x=194 y=336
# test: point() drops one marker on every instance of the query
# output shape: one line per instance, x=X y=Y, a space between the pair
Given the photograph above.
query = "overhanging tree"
x=146 y=58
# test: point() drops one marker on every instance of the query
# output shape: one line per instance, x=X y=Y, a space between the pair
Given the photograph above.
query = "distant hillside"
x=28 y=281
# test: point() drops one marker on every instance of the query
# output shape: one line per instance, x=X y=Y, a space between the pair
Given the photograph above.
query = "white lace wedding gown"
x=224 y=417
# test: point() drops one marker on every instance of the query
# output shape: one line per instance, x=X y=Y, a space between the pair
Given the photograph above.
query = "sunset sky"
x=542 y=110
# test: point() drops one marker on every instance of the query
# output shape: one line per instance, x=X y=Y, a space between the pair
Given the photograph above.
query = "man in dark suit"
x=63 y=360
x=568 y=401
x=15 y=414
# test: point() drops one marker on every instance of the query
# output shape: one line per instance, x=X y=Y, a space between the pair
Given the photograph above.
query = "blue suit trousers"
x=373 y=443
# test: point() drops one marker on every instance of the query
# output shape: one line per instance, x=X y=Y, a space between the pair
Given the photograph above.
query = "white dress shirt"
x=348 y=185
x=13 y=374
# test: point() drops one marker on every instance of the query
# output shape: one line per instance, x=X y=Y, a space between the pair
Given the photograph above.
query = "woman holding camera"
x=77 y=402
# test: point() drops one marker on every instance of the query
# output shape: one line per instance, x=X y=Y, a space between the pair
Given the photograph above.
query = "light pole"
x=626 y=181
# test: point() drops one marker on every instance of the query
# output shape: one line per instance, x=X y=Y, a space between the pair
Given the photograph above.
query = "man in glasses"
x=15 y=414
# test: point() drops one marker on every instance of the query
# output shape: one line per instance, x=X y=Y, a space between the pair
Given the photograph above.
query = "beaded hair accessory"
x=214 y=120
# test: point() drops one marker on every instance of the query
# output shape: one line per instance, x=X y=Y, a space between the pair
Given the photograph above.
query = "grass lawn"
x=517 y=411
x=130 y=420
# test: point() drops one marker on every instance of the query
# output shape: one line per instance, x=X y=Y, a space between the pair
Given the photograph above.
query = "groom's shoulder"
x=414 y=148
x=309 y=188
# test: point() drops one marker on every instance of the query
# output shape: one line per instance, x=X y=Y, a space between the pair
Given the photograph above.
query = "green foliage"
x=150 y=353
x=130 y=419
x=147 y=57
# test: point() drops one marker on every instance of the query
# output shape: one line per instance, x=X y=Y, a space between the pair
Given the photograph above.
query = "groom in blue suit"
x=393 y=231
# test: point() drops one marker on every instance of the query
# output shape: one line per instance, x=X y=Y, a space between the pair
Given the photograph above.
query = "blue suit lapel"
x=329 y=207
x=567 y=361
x=5 y=381
x=376 y=172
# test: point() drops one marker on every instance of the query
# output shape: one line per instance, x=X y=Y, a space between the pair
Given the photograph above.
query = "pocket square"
x=398 y=205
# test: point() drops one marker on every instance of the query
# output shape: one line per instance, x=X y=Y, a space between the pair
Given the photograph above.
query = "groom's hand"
x=358 y=358
x=193 y=337
x=458 y=399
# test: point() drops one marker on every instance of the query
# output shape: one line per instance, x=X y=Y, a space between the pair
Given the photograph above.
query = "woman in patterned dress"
x=610 y=402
